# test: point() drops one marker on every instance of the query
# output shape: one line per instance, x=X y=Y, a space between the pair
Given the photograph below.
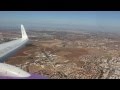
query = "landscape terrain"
x=68 y=55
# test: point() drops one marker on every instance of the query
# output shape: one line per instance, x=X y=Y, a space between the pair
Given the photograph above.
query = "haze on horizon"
x=89 y=20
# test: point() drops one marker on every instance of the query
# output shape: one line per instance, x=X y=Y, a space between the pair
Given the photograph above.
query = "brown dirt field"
x=70 y=53
x=21 y=53
x=16 y=60
x=65 y=53
x=20 y=57
x=25 y=51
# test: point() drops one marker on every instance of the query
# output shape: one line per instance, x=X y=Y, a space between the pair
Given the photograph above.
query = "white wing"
x=9 y=48
x=6 y=50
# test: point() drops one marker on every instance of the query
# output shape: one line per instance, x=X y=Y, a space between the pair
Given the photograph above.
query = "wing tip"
x=24 y=34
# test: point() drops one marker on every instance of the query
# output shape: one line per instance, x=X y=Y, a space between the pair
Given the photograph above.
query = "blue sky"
x=104 y=19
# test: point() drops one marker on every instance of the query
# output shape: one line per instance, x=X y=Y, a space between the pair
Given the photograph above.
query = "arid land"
x=70 y=55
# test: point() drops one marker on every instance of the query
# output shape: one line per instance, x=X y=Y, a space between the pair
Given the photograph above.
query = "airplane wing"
x=7 y=49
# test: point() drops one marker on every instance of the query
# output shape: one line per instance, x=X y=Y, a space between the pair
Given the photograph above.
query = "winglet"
x=24 y=35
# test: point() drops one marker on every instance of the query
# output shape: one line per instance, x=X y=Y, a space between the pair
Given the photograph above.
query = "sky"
x=107 y=20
